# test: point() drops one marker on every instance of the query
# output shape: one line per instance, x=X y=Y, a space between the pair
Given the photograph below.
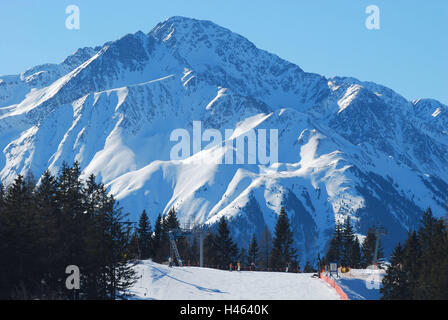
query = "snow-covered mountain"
x=346 y=147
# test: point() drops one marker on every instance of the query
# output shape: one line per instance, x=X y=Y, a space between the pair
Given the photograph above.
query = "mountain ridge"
x=346 y=147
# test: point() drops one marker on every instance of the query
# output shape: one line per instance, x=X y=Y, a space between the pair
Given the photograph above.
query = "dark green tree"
x=423 y=264
x=144 y=232
x=170 y=222
x=395 y=282
x=335 y=249
x=283 y=252
x=432 y=282
x=254 y=251
x=350 y=254
x=158 y=239
x=226 y=249
x=243 y=257
x=265 y=248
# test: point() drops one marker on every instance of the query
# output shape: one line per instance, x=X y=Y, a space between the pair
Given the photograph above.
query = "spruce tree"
x=210 y=250
x=63 y=221
x=411 y=260
x=266 y=248
x=355 y=258
x=170 y=222
x=47 y=222
x=348 y=245
x=21 y=250
x=431 y=279
x=226 y=249
x=395 y=282
x=368 y=248
x=283 y=252
x=158 y=239
x=423 y=264
x=254 y=251
x=144 y=232
x=334 y=253
x=194 y=256
x=243 y=257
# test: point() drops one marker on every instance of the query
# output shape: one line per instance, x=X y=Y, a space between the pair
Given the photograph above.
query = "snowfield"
x=346 y=148
x=362 y=284
x=160 y=282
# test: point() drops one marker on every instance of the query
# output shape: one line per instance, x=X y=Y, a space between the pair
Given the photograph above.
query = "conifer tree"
x=63 y=221
x=47 y=215
x=144 y=232
x=368 y=248
x=243 y=257
x=210 y=250
x=17 y=246
x=348 y=245
x=266 y=248
x=170 y=223
x=334 y=253
x=254 y=251
x=283 y=252
x=119 y=273
x=355 y=258
x=158 y=240
x=395 y=282
x=423 y=264
x=411 y=260
x=431 y=281
x=194 y=250
x=226 y=249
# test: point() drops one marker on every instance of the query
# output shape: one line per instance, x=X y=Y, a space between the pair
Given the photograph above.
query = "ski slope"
x=362 y=284
x=160 y=282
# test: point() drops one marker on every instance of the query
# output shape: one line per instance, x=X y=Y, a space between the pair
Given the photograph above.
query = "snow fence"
x=333 y=284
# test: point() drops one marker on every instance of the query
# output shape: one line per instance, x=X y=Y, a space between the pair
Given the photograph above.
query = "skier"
x=239 y=266
x=287 y=266
x=170 y=262
x=231 y=266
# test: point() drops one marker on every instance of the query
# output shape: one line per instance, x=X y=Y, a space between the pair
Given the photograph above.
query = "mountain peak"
x=191 y=30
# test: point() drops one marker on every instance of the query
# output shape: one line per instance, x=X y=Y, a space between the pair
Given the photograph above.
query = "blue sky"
x=409 y=53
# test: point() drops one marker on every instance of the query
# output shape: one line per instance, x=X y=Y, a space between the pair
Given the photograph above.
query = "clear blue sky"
x=408 y=54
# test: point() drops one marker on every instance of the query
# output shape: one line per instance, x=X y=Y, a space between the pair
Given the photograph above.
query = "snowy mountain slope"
x=160 y=282
x=346 y=147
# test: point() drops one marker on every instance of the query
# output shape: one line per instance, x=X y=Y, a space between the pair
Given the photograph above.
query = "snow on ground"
x=161 y=282
x=362 y=284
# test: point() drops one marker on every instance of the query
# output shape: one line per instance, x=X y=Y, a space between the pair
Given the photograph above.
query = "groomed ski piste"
x=160 y=282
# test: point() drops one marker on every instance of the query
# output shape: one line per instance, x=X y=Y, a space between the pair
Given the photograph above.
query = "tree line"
x=419 y=267
x=346 y=250
x=219 y=247
x=62 y=221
